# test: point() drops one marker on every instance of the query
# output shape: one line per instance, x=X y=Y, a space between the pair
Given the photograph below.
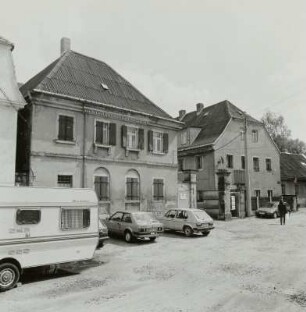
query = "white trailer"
x=45 y=226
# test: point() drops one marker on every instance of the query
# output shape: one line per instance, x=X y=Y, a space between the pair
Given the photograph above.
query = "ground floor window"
x=270 y=195
x=158 y=189
x=73 y=219
x=132 y=188
x=64 y=180
x=102 y=187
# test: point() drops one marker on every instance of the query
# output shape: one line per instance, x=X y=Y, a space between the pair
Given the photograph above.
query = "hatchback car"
x=270 y=210
x=132 y=225
x=188 y=220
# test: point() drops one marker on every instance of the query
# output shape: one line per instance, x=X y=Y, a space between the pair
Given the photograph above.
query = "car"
x=103 y=233
x=134 y=225
x=188 y=220
x=269 y=210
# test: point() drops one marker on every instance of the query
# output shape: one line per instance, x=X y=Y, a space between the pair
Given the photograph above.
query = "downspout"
x=83 y=183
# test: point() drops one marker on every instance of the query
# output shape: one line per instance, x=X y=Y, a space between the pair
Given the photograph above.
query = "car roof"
x=186 y=209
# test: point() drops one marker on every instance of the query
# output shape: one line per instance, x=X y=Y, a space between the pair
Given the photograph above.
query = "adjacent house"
x=293 y=176
x=84 y=125
x=215 y=140
x=10 y=101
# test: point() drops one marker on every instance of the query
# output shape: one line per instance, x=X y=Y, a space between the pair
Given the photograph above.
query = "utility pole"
x=247 y=176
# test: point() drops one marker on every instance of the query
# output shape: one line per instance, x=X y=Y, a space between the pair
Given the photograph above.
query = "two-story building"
x=216 y=138
x=84 y=125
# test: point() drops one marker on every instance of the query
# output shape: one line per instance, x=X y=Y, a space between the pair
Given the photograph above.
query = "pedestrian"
x=282 y=211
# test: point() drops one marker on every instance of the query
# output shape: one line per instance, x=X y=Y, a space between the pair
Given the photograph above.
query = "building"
x=87 y=126
x=293 y=176
x=213 y=144
x=10 y=101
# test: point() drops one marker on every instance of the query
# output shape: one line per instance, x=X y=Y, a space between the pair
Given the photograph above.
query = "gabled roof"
x=79 y=76
x=293 y=166
x=212 y=120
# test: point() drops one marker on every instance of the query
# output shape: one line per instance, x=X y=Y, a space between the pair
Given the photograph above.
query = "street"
x=243 y=265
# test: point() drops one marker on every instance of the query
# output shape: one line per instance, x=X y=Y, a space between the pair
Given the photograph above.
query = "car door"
x=114 y=223
x=126 y=222
x=179 y=220
x=168 y=219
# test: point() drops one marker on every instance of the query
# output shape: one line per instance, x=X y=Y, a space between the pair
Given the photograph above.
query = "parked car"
x=188 y=220
x=134 y=225
x=270 y=210
x=103 y=233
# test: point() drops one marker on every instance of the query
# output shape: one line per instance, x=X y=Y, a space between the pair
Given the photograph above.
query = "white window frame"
x=270 y=164
x=129 y=134
x=105 y=123
x=258 y=164
x=255 y=136
x=155 y=142
x=57 y=129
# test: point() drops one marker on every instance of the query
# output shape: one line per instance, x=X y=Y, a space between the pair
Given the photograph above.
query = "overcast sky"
x=177 y=52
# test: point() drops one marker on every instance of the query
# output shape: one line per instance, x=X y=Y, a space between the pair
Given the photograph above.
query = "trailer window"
x=72 y=219
x=27 y=216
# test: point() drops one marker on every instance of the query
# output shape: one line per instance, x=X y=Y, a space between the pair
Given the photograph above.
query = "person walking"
x=282 y=209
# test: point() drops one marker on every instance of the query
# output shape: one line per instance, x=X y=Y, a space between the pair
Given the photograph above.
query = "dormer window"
x=104 y=86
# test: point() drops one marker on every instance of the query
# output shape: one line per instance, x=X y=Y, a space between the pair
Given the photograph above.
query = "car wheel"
x=205 y=233
x=9 y=276
x=188 y=231
x=152 y=239
x=274 y=215
x=128 y=237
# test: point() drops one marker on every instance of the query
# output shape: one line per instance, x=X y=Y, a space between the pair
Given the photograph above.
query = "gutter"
x=106 y=105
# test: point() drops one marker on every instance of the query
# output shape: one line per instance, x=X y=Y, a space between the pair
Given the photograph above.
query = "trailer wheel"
x=9 y=276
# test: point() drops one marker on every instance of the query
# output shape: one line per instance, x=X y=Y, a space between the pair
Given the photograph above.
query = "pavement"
x=244 y=265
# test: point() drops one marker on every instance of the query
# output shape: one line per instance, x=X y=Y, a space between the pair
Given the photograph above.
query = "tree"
x=278 y=130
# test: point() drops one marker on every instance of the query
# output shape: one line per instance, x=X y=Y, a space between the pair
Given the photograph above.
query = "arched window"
x=132 y=185
x=101 y=183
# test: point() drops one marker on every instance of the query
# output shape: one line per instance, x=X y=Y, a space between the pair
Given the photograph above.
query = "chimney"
x=182 y=113
x=65 y=44
x=200 y=107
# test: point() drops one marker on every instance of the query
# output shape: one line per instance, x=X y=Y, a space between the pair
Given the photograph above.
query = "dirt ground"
x=243 y=265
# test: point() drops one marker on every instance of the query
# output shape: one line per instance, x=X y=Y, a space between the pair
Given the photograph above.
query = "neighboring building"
x=293 y=176
x=213 y=141
x=10 y=101
x=89 y=127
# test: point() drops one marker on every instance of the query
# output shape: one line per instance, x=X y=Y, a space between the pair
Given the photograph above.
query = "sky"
x=177 y=52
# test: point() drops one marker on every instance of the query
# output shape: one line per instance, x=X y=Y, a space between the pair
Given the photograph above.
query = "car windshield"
x=144 y=217
x=201 y=215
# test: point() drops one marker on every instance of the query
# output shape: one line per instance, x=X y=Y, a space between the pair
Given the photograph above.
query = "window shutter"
x=99 y=132
x=165 y=142
x=150 y=141
x=124 y=136
x=141 y=139
x=112 y=134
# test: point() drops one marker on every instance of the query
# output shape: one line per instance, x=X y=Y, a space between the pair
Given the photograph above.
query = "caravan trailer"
x=45 y=226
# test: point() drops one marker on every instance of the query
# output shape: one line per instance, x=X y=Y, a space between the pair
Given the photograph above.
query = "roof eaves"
x=107 y=105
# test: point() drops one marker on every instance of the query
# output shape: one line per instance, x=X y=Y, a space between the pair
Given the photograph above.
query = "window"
x=256 y=164
x=182 y=214
x=183 y=137
x=242 y=134
x=117 y=216
x=102 y=133
x=283 y=189
x=127 y=218
x=102 y=187
x=74 y=219
x=254 y=136
x=242 y=162
x=170 y=214
x=270 y=195
x=180 y=164
x=27 y=216
x=200 y=196
x=268 y=164
x=157 y=142
x=199 y=162
x=64 y=180
x=257 y=193
x=132 y=188
x=229 y=159
x=65 y=128
x=132 y=138
x=158 y=189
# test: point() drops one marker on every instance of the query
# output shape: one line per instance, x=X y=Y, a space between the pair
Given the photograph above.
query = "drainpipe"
x=247 y=176
x=84 y=149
